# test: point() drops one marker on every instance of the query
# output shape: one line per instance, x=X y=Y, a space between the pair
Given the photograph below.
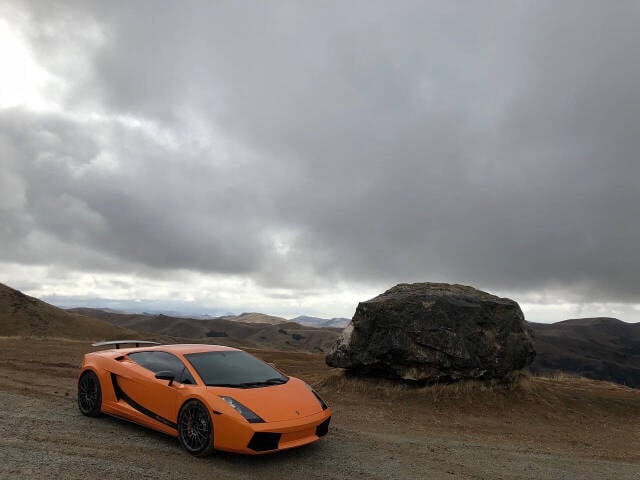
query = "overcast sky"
x=299 y=157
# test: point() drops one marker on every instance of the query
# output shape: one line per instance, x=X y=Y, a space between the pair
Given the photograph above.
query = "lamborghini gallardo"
x=208 y=396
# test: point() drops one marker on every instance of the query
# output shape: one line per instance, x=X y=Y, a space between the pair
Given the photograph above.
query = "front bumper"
x=234 y=435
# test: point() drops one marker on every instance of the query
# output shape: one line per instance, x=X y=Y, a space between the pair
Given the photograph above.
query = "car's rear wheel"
x=195 y=429
x=89 y=394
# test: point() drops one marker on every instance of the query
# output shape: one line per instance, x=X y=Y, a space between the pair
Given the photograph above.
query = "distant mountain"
x=250 y=317
x=254 y=317
x=321 y=322
x=597 y=348
x=22 y=315
x=281 y=336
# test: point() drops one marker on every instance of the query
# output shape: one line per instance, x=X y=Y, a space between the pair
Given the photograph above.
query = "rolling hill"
x=597 y=348
x=22 y=315
x=254 y=317
x=281 y=336
x=321 y=322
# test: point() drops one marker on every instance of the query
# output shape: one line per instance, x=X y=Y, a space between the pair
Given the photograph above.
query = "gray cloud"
x=307 y=143
x=163 y=208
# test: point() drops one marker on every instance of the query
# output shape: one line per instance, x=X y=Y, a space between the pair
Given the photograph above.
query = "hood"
x=275 y=403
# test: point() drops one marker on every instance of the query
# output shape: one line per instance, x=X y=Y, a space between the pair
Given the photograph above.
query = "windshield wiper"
x=275 y=381
x=263 y=383
x=268 y=381
x=230 y=385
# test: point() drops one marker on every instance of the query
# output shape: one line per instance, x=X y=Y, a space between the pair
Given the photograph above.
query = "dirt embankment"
x=542 y=428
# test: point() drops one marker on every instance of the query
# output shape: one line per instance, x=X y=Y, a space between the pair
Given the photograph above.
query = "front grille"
x=323 y=428
x=263 y=441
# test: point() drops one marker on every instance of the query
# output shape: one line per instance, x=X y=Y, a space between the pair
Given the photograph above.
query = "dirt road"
x=42 y=435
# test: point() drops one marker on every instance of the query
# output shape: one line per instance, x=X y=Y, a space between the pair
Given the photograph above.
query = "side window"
x=163 y=361
x=142 y=359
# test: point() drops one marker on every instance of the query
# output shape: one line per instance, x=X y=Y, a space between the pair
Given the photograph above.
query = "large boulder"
x=432 y=332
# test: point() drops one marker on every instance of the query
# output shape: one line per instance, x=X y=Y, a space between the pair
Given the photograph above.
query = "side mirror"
x=166 y=375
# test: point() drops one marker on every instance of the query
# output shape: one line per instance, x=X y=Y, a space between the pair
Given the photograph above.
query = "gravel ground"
x=48 y=438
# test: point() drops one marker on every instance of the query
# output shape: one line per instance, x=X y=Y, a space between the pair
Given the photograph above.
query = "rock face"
x=430 y=332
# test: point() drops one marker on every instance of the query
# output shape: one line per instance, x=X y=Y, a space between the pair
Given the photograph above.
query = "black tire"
x=195 y=429
x=89 y=394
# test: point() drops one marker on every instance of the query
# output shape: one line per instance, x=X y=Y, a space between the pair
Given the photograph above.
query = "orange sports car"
x=209 y=396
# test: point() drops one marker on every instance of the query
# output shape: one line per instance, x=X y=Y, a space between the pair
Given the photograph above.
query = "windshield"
x=234 y=369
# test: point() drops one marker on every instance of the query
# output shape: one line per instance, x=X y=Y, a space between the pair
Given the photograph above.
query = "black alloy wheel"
x=195 y=429
x=89 y=394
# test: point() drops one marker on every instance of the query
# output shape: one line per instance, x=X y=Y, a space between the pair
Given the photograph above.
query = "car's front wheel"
x=89 y=394
x=195 y=429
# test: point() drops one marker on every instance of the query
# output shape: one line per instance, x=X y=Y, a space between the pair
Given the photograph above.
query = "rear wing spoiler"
x=117 y=343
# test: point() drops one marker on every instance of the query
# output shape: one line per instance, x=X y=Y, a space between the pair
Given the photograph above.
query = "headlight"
x=322 y=404
x=247 y=413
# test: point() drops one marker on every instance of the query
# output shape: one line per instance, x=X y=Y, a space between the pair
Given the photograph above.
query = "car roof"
x=183 y=348
x=191 y=348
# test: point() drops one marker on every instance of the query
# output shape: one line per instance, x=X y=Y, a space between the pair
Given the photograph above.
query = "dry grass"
x=549 y=413
x=524 y=384
x=466 y=390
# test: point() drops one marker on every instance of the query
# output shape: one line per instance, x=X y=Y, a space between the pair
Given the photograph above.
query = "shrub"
x=214 y=333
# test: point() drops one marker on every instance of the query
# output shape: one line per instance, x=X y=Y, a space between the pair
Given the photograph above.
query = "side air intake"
x=323 y=428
